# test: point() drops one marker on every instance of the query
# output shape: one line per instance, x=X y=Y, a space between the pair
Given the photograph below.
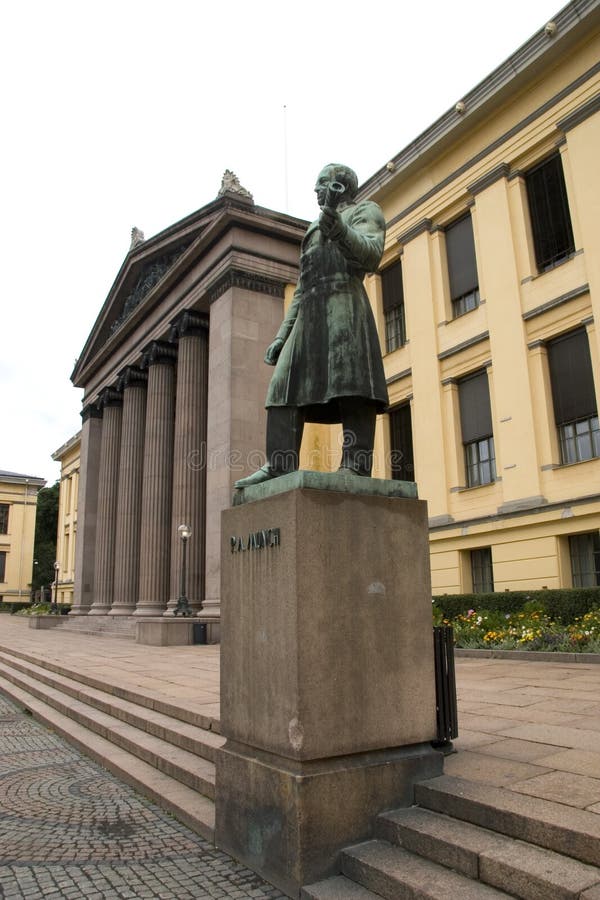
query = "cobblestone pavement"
x=68 y=829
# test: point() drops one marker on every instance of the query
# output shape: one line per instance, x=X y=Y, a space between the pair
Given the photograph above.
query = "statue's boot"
x=262 y=474
x=284 y=435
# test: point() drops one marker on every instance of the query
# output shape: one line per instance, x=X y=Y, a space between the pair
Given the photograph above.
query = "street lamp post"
x=34 y=579
x=54 y=604
x=183 y=607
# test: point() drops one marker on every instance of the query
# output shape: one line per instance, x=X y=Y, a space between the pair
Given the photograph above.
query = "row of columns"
x=153 y=425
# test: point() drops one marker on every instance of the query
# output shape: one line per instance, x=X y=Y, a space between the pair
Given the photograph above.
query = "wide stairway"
x=164 y=751
x=465 y=841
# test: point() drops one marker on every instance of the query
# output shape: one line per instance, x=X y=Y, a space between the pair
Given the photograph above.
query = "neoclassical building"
x=68 y=455
x=174 y=386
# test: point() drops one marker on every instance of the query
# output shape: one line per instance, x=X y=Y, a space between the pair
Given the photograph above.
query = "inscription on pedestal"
x=256 y=540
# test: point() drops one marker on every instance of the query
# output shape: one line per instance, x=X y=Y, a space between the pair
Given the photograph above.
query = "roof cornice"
x=68 y=445
x=536 y=52
x=15 y=478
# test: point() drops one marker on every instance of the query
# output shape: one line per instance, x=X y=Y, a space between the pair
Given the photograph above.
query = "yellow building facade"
x=69 y=458
x=488 y=307
x=18 y=502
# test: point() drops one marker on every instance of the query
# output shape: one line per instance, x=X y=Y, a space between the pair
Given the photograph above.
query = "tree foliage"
x=46 y=526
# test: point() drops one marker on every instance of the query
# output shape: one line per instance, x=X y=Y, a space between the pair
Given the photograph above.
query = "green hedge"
x=11 y=607
x=566 y=604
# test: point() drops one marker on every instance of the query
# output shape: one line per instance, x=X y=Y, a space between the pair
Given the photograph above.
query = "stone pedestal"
x=328 y=685
x=170 y=631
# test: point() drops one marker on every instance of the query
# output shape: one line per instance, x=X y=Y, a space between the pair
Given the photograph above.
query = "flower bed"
x=529 y=629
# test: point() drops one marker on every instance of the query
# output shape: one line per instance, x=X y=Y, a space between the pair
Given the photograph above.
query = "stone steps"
x=564 y=829
x=468 y=840
x=338 y=888
x=395 y=874
x=169 y=760
x=519 y=868
x=113 y=626
x=182 y=734
x=145 y=699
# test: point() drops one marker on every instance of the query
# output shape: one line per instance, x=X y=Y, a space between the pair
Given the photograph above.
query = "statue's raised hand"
x=273 y=351
x=330 y=223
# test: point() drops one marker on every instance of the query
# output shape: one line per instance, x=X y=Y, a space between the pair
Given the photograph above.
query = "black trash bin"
x=200 y=632
x=445 y=687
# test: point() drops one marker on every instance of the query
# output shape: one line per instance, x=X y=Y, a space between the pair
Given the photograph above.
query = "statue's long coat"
x=331 y=345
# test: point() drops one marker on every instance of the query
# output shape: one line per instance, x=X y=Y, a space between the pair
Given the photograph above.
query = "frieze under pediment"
x=151 y=274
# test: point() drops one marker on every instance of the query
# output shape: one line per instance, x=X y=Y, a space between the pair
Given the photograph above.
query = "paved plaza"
x=69 y=829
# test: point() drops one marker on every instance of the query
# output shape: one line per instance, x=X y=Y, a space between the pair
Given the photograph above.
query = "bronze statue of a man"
x=327 y=357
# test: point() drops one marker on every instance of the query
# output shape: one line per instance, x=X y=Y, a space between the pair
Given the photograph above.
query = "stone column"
x=87 y=509
x=108 y=485
x=129 y=506
x=189 y=462
x=155 y=567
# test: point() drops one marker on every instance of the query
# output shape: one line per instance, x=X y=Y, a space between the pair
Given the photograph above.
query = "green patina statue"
x=327 y=358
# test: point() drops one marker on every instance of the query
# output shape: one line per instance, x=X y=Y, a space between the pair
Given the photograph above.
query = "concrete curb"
x=528 y=655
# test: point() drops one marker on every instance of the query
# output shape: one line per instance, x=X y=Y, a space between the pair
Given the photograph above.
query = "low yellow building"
x=18 y=502
x=69 y=458
x=487 y=302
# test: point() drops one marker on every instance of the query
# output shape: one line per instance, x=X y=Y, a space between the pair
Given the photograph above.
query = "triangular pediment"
x=185 y=265
x=146 y=271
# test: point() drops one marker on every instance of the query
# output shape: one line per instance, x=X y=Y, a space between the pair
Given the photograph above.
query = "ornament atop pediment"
x=137 y=238
x=230 y=184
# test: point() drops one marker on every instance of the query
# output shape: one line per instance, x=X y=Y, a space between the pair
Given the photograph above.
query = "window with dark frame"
x=462 y=266
x=549 y=212
x=476 y=428
x=574 y=397
x=482 y=573
x=401 y=443
x=584 y=550
x=392 y=289
x=4 y=507
x=2 y=565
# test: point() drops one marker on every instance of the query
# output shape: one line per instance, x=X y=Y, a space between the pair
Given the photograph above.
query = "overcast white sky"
x=127 y=112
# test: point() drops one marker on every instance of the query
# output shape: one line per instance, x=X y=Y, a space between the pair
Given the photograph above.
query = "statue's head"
x=336 y=172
